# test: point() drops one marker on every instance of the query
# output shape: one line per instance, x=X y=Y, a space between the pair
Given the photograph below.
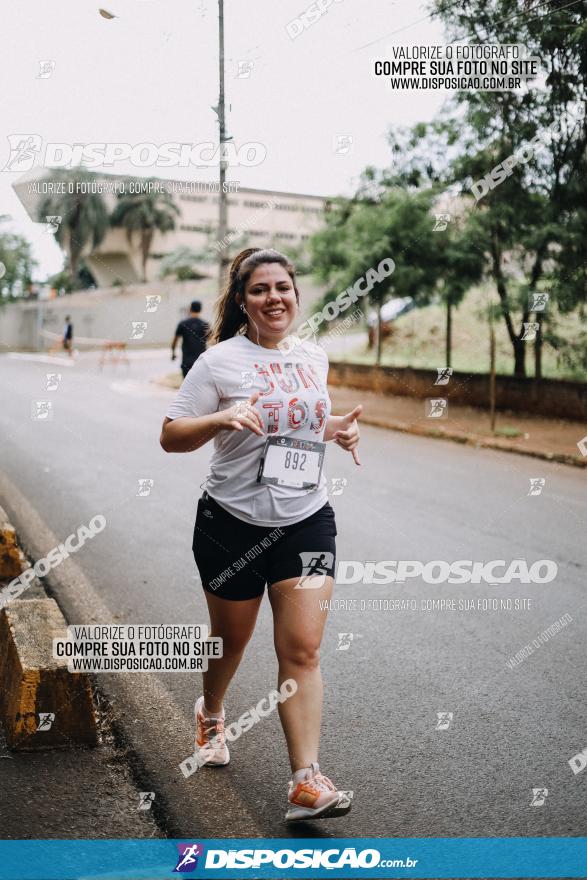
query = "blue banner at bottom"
x=311 y=858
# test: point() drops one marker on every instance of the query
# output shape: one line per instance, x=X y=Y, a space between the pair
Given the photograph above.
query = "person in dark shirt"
x=193 y=332
x=67 y=340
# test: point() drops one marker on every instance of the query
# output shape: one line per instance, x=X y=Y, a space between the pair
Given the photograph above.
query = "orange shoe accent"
x=304 y=795
x=205 y=734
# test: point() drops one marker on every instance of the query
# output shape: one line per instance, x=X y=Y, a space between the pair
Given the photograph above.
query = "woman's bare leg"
x=298 y=624
x=234 y=623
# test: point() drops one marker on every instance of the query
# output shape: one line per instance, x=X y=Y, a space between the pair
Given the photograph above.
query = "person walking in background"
x=66 y=341
x=194 y=333
x=68 y=336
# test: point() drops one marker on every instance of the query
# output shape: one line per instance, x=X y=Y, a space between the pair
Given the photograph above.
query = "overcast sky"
x=151 y=74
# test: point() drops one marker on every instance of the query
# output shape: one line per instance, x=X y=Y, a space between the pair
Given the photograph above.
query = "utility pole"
x=492 y=382
x=222 y=200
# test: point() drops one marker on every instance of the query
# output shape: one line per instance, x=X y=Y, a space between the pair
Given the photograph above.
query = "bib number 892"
x=295 y=461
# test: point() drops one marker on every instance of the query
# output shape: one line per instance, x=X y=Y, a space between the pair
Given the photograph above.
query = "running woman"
x=269 y=416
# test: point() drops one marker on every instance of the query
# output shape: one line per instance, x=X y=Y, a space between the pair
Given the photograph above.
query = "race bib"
x=290 y=462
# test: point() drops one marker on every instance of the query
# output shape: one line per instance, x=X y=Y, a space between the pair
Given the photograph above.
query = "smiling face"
x=270 y=301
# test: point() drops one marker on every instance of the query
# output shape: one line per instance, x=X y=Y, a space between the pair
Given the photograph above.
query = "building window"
x=189 y=228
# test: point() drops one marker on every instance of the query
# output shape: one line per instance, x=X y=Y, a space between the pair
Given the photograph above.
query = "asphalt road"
x=414 y=498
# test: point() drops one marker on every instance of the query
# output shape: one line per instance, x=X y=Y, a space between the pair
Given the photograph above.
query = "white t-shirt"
x=294 y=401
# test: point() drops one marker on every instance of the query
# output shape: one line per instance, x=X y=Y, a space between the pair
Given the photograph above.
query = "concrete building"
x=256 y=218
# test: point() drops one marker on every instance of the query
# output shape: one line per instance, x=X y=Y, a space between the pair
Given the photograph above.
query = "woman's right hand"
x=243 y=415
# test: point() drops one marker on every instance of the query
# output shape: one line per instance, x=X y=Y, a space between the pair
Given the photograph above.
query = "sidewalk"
x=75 y=792
x=539 y=437
x=550 y=439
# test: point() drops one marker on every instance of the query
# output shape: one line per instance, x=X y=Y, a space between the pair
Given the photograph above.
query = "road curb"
x=12 y=559
x=472 y=440
x=42 y=704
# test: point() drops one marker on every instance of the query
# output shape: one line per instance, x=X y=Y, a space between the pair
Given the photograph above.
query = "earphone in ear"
x=243 y=308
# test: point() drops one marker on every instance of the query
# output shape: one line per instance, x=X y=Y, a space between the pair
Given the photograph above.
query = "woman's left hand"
x=348 y=434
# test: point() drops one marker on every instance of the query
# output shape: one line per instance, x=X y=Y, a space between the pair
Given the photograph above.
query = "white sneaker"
x=210 y=743
x=315 y=797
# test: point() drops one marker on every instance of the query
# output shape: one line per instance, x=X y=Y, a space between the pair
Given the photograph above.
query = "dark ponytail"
x=230 y=320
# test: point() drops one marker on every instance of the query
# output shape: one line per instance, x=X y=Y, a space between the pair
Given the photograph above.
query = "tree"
x=181 y=263
x=529 y=225
x=17 y=263
x=145 y=213
x=386 y=219
x=63 y=280
x=83 y=214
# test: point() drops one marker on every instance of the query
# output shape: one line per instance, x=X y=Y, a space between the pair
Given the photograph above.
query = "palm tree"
x=82 y=214
x=145 y=213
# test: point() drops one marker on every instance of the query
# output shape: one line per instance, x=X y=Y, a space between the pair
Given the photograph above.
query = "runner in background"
x=264 y=519
x=193 y=332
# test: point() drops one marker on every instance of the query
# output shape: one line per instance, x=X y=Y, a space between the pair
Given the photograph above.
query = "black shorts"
x=236 y=559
